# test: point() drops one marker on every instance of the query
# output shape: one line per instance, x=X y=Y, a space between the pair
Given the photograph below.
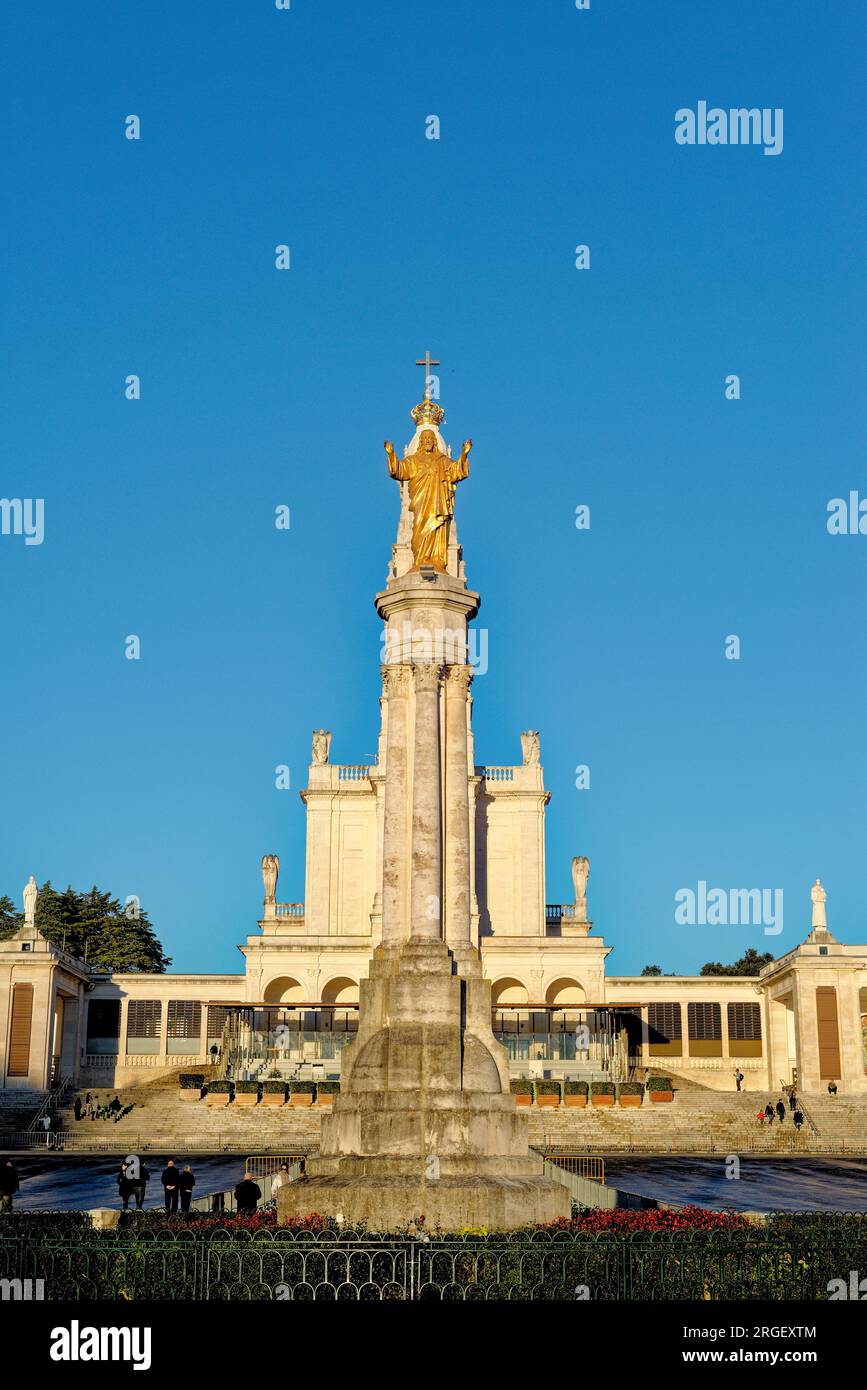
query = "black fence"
x=277 y=1265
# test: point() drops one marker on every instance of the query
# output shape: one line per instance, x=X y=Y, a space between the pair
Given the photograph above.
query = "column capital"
x=395 y=680
x=427 y=677
x=458 y=680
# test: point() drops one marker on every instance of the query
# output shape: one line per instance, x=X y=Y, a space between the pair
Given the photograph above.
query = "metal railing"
x=794 y=1263
x=589 y=1166
x=51 y=1103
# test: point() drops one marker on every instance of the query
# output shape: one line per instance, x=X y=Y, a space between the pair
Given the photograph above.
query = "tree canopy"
x=93 y=926
x=750 y=963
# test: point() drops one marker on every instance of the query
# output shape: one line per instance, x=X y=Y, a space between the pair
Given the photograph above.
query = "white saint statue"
x=580 y=875
x=270 y=870
x=321 y=745
x=818 y=894
x=530 y=746
x=31 y=893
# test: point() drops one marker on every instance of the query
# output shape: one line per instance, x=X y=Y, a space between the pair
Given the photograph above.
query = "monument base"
x=448 y=1204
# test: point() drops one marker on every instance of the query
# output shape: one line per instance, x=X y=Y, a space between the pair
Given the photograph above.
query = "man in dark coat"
x=781 y=1111
x=247 y=1194
x=8 y=1183
x=187 y=1183
x=171 y=1187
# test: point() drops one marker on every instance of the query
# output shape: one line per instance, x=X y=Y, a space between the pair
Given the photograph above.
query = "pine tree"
x=94 y=927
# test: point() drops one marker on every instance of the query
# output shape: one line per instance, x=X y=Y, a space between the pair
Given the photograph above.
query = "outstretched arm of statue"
x=462 y=467
x=393 y=463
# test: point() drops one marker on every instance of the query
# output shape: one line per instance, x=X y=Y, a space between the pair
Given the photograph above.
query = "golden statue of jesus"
x=432 y=478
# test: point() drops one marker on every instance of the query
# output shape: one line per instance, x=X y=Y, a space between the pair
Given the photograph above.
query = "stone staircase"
x=700 y=1120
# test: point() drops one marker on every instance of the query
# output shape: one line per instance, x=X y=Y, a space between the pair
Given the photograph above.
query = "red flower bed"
x=652 y=1219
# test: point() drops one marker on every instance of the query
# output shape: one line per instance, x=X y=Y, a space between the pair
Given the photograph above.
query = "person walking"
x=739 y=1076
x=769 y=1113
x=793 y=1100
x=798 y=1120
x=832 y=1088
x=77 y=1108
x=9 y=1184
x=186 y=1183
x=115 y=1108
x=761 y=1117
x=88 y=1105
x=247 y=1195
x=171 y=1188
x=781 y=1111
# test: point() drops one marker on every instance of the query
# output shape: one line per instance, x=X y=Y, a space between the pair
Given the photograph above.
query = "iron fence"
x=278 y=1265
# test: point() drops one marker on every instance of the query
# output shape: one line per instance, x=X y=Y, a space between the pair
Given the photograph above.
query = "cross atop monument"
x=427 y=362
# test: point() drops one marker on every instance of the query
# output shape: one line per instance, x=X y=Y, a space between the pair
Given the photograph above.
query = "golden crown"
x=427 y=413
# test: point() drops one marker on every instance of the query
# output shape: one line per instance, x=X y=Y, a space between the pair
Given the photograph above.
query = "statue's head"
x=428 y=441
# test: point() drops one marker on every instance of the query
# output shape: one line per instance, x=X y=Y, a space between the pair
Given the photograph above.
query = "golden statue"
x=432 y=477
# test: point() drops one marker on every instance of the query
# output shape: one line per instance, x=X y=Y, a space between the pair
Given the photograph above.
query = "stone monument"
x=31 y=893
x=425 y=1125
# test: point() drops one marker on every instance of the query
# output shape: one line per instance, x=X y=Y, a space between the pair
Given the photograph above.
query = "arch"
x=565 y=991
x=284 y=990
x=508 y=990
x=340 y=990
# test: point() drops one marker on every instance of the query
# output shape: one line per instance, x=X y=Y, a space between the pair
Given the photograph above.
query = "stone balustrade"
x=288 y=909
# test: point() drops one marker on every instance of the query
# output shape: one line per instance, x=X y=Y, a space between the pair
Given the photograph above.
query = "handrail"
x=52 y=1101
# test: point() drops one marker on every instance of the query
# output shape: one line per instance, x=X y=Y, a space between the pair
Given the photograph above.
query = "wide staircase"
x=700 y=1120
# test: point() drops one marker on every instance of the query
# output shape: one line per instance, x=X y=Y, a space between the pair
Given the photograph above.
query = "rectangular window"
x=185 y=1019
x=19 y=1032
x=103 y=1026
x=217 y=1019
x=704 y=1025
x=745 y=1023
x=704 y=1022
x=143 y=1026
x=664 y=1030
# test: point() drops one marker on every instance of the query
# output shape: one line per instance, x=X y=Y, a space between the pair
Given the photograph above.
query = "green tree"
x=93 y=926
x=652 y=970
x=750 y=963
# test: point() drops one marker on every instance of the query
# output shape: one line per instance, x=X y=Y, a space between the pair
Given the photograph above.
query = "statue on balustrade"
x=270 y=870
x=321 y=745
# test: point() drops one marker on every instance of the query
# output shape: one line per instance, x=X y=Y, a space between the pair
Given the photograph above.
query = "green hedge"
x=547 y=1088
x=631 y=1088
x=659 y=1083
x=328 y=1088
x=274 y=1088
x=602 y=1088
x=220 y=1088
x=302 y=1088
x=521 y=1088
x=246 y=1088
x=191 y=1080
x=575 y=1088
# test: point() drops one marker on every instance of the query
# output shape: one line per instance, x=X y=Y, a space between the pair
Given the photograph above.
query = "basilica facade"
x=554 y=1006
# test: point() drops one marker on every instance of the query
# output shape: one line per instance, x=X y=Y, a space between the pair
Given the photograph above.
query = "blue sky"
x=604 y=387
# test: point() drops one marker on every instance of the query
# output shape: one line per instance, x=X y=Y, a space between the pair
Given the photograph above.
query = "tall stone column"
x=457 y=809
x=395 y=849
x=426 y=890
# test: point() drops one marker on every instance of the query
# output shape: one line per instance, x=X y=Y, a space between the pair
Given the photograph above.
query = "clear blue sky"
x=604 y=387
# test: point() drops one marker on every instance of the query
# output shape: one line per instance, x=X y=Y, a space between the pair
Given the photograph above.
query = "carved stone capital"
x=395 y=681
x=458 y=680
x=427 y=678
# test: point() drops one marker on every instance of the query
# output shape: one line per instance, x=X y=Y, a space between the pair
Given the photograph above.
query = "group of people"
x=779 y=1110
x=178 y=1184
x=92 y=1108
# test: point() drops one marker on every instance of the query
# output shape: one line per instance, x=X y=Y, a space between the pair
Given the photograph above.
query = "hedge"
x=575 y=1088
x=631 y=1088
x=602 y=1088
x=328 y=1088
x=246 y=1088
x=547 y=1088
x=521 y=1088
x=220 y=1088
x=191 y=1080
x=274 y=1088
x=302 y=1088
x=659 y=1083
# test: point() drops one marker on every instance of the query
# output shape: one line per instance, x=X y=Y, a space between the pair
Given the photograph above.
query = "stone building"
x=555 y=1009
